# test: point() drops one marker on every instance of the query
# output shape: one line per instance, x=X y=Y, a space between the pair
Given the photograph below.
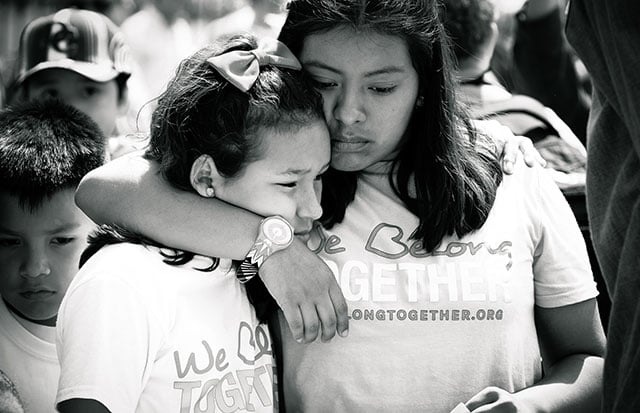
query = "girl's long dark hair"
x=453 y=170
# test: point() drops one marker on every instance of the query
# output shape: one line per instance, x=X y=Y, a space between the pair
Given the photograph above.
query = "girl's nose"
x=348 y=108
x=309 y=205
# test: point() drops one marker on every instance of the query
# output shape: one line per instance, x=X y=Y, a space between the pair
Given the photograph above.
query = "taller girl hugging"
x=462 y=283
x=150 y=328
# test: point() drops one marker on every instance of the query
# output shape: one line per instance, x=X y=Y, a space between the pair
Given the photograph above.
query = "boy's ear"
x=204 y=176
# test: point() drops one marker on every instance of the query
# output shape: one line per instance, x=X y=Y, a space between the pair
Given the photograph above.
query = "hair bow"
x=242 y=67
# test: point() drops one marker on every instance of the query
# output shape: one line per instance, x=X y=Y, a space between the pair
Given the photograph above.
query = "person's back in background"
x=79 y=57
x=45 y=149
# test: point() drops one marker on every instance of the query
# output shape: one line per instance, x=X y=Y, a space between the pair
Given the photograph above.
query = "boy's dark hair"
x=468 y=23
x=202 y=113
x=46 y=147
x=454 y=171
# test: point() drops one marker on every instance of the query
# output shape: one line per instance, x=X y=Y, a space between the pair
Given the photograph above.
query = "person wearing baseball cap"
x=79 y=57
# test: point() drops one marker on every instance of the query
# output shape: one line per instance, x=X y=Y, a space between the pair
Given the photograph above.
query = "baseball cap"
x=83 y=41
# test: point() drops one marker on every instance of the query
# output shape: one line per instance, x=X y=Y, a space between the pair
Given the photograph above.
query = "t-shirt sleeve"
x=561 y=268
x=107 y=338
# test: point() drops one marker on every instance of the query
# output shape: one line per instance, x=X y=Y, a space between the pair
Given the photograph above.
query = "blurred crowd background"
x=160 y=34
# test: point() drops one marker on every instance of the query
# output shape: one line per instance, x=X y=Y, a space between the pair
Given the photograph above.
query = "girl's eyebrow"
x=382 y=71
x=320 y=65
x=292 y=171
x=385 y=71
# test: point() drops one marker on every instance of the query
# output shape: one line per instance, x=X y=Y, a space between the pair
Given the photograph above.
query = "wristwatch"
x=274 y=234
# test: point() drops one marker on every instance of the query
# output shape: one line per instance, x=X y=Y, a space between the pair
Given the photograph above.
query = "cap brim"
x=93 y=71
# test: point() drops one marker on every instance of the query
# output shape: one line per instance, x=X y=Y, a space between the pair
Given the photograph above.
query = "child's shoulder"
x=524 y=175
x=123 y=270
x=118 y=254
x=127 y=261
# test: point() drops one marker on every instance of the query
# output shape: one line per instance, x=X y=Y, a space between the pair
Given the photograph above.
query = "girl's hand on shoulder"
x=514 y=145
x=510 y=146
x=497 y=400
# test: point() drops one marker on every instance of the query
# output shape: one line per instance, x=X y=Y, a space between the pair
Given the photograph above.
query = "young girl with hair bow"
x=150 y=328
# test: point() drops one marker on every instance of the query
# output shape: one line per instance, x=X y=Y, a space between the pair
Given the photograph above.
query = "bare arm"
x=573 y=343
x=130 y=192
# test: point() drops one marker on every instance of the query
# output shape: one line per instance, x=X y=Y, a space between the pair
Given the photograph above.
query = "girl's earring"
x=210 y=192
x=420 y=101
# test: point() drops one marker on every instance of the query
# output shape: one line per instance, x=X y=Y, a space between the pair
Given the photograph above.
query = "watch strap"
x=246 y=271
x=254 y=259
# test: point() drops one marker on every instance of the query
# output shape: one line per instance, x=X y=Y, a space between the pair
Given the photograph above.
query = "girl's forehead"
x=341 y=37
x=295 y=151
x=349 y=48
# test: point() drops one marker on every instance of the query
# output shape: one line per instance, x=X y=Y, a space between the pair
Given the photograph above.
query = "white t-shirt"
x=139 y=335
x=428 y=331
x=30 y=362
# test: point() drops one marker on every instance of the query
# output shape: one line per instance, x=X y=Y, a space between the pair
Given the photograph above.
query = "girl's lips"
x=37 y=295
x=347 y=145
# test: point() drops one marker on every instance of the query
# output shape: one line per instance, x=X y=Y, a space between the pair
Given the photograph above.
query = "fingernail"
x=300 y=340
x=508 y=166
x=344 y=333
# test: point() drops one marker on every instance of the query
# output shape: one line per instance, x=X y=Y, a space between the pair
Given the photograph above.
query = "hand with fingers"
x=307 y=292
x=510 y=146
x=497 y=400
x=515 y=146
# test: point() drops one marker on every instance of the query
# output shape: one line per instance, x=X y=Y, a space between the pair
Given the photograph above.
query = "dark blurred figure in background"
x=546 y=67
x=606 y=36
x=533 y=58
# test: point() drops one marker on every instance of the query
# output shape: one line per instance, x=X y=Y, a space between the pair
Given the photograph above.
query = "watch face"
x=277 y=231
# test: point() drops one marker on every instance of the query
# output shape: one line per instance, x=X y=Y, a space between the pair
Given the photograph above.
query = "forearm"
x=573 y=384
x=130 y=192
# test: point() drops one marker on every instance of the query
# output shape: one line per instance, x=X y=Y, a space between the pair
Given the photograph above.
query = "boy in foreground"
x=45 y=149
